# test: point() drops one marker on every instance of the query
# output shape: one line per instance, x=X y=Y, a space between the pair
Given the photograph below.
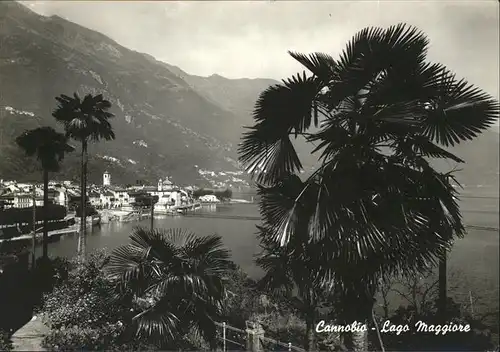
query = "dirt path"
x=30 y=336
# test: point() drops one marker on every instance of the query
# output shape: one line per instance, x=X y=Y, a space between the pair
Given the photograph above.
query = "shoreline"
x=55 y=233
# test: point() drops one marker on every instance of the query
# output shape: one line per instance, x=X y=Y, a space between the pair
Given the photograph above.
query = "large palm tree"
x=178 y=277
x=374 y=205
x=85 y=120
x=49 y=146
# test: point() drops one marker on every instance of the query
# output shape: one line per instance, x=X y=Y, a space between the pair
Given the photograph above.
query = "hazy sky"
x=251 y=39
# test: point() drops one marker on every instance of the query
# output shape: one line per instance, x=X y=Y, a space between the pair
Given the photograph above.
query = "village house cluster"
x=106 y=196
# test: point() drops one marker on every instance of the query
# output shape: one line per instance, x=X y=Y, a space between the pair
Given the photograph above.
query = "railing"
x=252 y=339
x=234 y=336
x=271 y=344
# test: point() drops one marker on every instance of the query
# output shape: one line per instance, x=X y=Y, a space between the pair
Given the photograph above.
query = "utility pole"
x=33 y=245
x=224 y=336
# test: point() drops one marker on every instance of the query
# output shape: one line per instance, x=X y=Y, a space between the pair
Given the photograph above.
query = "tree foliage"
x=47 y=144
x=85 y=119
x=144 y=200
x=25 y=215
x=225 y=194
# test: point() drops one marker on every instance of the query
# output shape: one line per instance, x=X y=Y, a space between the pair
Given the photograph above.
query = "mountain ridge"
x=168 y=122
x=142 y=90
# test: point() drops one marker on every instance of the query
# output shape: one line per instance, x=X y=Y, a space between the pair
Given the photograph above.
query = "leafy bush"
x=241 y=300
x=85 y=338
x=83 y=299
x=275 y=313
x=478 y=339
x=79 y=310
x=51 y=272
x=25 y=215
x=83 y=316
x=223 y=195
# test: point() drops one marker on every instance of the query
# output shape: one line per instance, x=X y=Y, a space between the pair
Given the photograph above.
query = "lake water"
x=476 y=256
x=238 y=234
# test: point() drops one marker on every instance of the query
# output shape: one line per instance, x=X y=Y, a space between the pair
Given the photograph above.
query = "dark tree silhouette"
x=49 y=146
x=374 y=205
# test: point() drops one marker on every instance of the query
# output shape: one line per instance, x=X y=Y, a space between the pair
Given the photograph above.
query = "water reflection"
x=210 y=208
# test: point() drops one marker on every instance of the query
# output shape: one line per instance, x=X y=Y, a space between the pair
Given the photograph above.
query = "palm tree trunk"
x=442 y=283
x=361 y=309
x=311 y=320
x=33 y=245
x=45 y=238
x=359 y=341
x=83 y=203
x=310 y=333
x=85 y=164
x=442 y=288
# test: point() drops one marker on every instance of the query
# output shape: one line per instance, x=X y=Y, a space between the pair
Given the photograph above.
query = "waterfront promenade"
x=52 y=235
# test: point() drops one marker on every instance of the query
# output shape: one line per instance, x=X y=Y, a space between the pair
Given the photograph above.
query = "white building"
x=95 y=199
x=61 y=196
x=107 y=199
x=106 y=179
x=25 y=200
x=165 y=185
x=209 y=198
x=121 y=197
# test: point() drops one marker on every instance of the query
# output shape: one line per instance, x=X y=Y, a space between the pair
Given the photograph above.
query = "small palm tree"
x=178 y=278
x=375 y=116
x=49 y=146
x=85 y=121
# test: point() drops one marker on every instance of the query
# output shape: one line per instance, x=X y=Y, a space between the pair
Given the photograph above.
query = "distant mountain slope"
x=42 y=57
x=235 y=95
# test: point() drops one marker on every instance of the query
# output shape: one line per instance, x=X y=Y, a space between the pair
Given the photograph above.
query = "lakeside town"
x=106 y=202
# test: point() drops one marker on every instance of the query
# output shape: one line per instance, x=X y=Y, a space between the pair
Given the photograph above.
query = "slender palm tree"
x=85 y=121
x=49 y=146
x=178 y=278
x=376 y=115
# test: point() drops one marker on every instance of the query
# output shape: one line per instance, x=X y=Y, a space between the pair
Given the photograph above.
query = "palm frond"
x=321 y=65
x=86 y=119
x=458 y=112
x=412 y=146
x=182 y=276
x=49 y=146
x=158 y=321
x=267 y=150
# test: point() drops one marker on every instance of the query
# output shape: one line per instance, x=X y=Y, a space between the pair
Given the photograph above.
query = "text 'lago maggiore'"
x=388 y=327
